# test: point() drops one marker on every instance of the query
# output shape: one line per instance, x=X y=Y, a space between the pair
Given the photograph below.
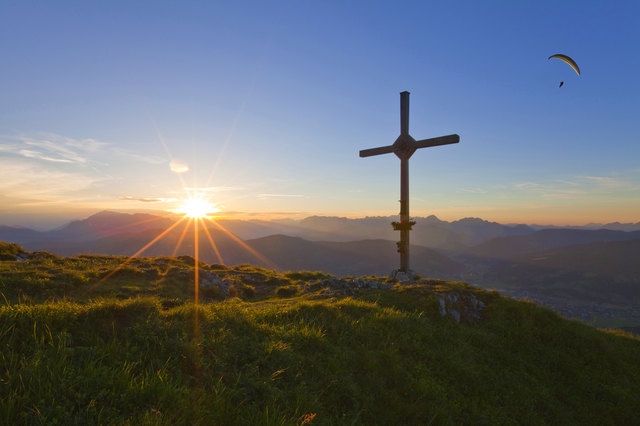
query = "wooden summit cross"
x=404 y=147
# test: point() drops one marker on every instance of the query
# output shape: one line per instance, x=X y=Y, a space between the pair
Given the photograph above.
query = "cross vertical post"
x=404 y=113
x=403 y=245
x=403 y=148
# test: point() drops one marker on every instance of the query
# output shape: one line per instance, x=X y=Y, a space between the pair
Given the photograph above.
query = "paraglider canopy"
x=568 y=60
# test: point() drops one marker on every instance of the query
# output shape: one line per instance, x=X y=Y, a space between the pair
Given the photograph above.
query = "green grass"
x=148 y=355
x=9 y=251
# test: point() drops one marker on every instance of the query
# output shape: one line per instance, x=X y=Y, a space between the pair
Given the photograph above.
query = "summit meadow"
x=290 y=348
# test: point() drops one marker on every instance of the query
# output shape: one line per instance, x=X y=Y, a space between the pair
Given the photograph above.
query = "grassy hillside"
x=291 y=348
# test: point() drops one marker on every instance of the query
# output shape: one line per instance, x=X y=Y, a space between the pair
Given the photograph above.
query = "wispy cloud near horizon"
x=54 y=168
x=56 y=148
x=24 y=180
x=62 y=149
x=148 y=199
x=579 y=186
x=40 y=156
x=150 y=159
x=282 y=195
x=52 y=147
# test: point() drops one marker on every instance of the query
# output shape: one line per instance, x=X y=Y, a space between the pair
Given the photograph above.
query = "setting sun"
x=196 y=208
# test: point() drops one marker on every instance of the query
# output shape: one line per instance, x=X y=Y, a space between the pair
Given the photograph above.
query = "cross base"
x=402 y=276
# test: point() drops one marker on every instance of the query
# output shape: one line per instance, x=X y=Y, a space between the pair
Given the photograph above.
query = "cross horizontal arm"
x=376 y=151
x=441 y=140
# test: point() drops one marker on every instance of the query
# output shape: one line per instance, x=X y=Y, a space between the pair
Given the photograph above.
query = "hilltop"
x=519 y=260
x=264 y=347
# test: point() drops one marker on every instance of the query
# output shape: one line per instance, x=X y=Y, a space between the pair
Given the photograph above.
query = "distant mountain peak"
x=471 y=220
x=432 y=219
x=106 y=213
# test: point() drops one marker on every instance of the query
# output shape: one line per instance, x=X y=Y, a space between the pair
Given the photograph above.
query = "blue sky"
x=268 y=104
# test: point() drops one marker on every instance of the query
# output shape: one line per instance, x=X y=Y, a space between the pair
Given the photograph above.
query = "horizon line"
x=298 y=216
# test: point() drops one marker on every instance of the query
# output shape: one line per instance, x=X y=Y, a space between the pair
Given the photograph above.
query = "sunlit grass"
x=276 y=349
x=387 y=357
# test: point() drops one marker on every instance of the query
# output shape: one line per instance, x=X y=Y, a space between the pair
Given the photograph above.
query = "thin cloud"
x=527 y=186
x=87 y=144
x=23 y=180
x=578 y=186
x=44 y=150
x=474 y=190
x=143 y=199
x=151 y=159
x=271 y=215
x=61 y=149
x=281 y=195
x=555 y=189
x=213 y=189
x=607 y=181
x=40 y=156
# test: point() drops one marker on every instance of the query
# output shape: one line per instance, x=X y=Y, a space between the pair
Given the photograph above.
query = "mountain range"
x=123 y=234
x=428 y=231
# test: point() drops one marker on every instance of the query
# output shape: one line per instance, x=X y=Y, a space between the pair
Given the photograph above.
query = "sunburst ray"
x=215 y=248
x=244 y=245
x=130 y=258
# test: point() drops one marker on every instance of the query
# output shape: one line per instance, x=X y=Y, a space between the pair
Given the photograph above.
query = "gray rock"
x=460 y=306
x=443 y=306
x=455 y=314
x=209 y=279
x=403 y=277
x=22 y=256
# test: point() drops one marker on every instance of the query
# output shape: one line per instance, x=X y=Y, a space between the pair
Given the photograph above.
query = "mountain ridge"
x=545 y=239
x=429 y=231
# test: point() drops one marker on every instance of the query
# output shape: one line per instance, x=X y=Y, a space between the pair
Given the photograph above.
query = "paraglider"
x=569 y=61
